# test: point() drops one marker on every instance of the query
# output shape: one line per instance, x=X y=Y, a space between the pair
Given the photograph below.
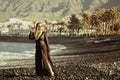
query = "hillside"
x=36 y=10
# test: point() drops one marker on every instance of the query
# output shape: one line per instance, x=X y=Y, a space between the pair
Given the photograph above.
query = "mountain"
x=37 y=10
x=111 y=3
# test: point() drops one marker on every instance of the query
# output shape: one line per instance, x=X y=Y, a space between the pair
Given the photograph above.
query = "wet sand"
x=84 y=59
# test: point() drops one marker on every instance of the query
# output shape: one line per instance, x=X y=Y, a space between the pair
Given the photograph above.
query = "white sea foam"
x=13 y=53
x=100 y=41
x=27 y=54
x=10 y=55
x=57 y=47
x=2 y=62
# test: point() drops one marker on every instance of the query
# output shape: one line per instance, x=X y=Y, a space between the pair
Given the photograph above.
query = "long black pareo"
x=43 y=63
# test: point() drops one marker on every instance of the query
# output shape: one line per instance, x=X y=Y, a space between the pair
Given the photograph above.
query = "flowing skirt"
x=43 y=63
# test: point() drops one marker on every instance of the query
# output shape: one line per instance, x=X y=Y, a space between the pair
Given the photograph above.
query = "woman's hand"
x=32 y=29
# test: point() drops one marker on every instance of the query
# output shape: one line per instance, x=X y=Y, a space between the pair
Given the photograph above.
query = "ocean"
x=14 y=50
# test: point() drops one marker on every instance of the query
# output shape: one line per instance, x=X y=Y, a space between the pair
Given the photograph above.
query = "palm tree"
x=116 y=28
x=9 y=26
x=95 y=22
x=115 y=16
x=86 y=23
x=48 y=25
x=62 y=25
x=109 y=17
x=19 y=27
x=99 y=14
x=60 y=30
x=46 y=22
x=105 y=17
x=73 y=24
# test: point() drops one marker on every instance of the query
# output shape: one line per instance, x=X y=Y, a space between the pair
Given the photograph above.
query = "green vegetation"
x=103 y=21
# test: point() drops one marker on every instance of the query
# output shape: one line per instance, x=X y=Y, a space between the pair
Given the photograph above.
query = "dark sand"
x=84 y=59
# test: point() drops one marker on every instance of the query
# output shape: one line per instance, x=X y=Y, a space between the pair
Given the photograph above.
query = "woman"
x=43 y=63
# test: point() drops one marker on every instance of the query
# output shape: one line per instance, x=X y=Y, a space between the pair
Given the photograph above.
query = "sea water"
x=14 y=50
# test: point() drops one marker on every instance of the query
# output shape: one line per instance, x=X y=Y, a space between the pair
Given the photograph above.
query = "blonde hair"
x=38 y=32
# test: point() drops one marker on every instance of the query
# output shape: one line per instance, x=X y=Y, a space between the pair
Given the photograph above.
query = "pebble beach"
x=83 y=59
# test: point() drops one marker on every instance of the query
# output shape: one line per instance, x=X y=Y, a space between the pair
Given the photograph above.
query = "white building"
x=14 y=20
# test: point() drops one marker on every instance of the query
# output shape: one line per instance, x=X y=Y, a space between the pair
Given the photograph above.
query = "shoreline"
x=92 y=60
x=53 y=40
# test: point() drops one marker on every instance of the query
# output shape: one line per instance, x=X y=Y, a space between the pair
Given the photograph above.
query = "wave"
x=11 y=55
x=56 y=48
x=28 y=54
x=2 y=62
x=6 y=56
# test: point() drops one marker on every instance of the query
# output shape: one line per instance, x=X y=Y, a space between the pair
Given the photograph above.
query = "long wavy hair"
x=37 y=31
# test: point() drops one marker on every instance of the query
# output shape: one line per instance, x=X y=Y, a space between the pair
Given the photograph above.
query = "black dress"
x=42 y=57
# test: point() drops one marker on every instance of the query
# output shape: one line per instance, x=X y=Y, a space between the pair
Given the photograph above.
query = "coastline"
x=83 y=59
x=54 y=39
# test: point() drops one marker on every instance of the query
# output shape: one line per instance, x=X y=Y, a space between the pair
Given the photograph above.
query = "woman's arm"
x=31 y=35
